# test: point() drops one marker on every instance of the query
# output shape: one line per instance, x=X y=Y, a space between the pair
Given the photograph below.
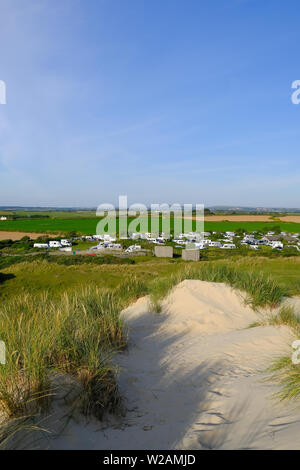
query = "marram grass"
x=78 y=332
x=75 y=334
x=260 y=290
x=283 y=371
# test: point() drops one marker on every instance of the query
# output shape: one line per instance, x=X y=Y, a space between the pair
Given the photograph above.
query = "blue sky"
x=165 y=101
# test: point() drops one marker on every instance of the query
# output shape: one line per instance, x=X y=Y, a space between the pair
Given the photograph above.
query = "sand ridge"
x=192 y=379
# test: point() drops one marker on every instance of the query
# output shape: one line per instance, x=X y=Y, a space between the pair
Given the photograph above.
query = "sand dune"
x=192 y=379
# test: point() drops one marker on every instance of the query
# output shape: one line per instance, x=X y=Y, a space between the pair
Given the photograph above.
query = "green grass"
x=62 y=318
x=38 y=276
x=283 y=371
x=285 y=271
x=14 y=432
x=287 y=316
x=88 y=225
x=53 y=225
x=75 y=334
x=287 y=376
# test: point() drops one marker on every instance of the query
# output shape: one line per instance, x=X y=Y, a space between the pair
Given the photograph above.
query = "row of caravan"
x=53 y=244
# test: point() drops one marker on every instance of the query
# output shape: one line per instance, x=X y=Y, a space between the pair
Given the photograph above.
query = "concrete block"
x=163 y=251
x=191 y=255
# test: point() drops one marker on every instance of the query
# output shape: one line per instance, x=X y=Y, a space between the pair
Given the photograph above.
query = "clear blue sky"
x=162 y=100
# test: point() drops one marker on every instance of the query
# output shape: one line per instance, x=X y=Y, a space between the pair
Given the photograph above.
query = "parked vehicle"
x=41 y=245
x=55 y=244
x=215 y=244
x=180 y=242
x=132 y=248
x=65 y=242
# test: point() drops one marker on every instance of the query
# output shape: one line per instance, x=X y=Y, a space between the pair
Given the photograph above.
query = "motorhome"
x=55 y=244
x=179 y=242
x=200 y=245
x=40 y=245
x=277 y=245
x=109 y=238
x=66 y=243
x=114 y=246
x=229 y=234
x=132 y=248
x=215 y=244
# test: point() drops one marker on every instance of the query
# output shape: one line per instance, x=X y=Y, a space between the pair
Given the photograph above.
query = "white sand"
x=191 y=379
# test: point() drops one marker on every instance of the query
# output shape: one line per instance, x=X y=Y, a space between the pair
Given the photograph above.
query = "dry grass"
x=76 y=334
x=283 y=371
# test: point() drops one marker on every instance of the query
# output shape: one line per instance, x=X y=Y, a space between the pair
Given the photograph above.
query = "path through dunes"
x=191 y=379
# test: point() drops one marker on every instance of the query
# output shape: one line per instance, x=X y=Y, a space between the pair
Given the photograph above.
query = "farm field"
x=19 y=235
x=252 y=218
x=87 y=226
x=59 y=214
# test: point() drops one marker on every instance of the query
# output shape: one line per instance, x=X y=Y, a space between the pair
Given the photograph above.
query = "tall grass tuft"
x=283 y=370
x=75 y=334
x=287 y=316
x=21 y=432
x=287 y=375
x=260 y=290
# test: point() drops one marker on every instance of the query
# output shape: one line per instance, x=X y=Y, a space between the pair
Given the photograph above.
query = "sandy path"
x=19 y=235
x=191 y=379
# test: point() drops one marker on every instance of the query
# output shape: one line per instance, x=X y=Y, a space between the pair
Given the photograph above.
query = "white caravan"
x=132 y=248
x=65 y=242
x=55 y=244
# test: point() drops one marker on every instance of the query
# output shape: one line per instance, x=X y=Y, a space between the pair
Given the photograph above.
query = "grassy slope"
x=39 y=276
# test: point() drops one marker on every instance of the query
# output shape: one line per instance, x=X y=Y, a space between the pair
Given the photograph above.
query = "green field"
x=87 y=226
x=36 y=276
